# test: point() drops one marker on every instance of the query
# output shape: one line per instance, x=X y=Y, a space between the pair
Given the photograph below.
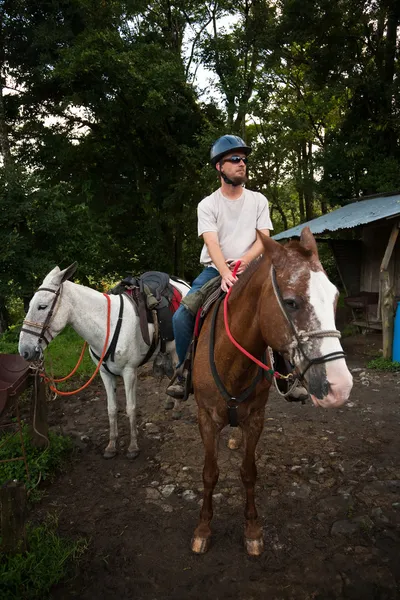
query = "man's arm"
x=214 y=249
x=255 y=250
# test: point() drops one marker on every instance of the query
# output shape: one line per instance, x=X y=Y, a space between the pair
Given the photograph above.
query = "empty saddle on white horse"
x=152 y=291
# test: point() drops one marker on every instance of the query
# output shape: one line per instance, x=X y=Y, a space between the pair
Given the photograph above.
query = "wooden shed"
x=363 y=236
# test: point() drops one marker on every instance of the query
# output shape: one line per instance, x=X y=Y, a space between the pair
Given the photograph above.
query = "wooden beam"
x=390 y=246
x=386 y=295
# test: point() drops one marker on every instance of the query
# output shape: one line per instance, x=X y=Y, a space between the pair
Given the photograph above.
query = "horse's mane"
x=244 y=278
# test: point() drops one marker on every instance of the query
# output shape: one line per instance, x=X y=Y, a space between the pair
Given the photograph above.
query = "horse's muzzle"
x=30 y=353
x=332 y=387
x=318 y=384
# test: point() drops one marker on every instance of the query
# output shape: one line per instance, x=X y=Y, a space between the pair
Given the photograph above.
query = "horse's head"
x=47 y=315
x=301 y=322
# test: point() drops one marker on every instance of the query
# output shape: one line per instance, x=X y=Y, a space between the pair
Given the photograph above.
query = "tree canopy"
x=105 y=128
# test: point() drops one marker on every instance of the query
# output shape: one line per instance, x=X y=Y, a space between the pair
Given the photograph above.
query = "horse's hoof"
x=254 y=547
x=133 y=454
x=169 y=404
x=109 y=453
x=176 y=414
x=200 y=545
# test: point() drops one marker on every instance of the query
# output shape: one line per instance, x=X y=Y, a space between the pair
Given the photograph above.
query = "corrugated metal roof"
x=351 y=215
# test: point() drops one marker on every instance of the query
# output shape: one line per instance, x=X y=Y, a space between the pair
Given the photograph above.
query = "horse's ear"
x=307 y=240
x=273 y=249
x=68 y=272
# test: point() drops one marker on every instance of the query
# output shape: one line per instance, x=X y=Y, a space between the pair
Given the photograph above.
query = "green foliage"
x=42 y=464
x=62 y=355
x=107 y=137
x=9 y=340
x=349 y=330
x=48 y=560
x=383 y=364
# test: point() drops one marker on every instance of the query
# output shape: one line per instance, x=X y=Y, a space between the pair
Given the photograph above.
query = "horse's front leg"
x=111 y=391
x=252 y=429
x=209 y=431
x=130 y=383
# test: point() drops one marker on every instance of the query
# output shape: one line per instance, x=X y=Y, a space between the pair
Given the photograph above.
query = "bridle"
x=302 y=337
x=43 y=327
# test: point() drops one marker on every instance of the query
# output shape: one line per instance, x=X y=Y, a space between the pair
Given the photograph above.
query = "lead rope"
x=71 y=393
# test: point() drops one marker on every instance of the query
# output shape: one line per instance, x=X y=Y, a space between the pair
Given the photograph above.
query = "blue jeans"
x=183 y=320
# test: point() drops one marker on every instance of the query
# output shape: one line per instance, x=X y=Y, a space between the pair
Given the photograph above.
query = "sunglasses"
x=235 y=160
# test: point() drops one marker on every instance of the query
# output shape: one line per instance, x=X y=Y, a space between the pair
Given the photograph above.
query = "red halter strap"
x=232 y=339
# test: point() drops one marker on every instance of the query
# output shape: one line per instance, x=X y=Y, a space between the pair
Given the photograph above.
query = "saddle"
x=155 y=301
x=199 y=304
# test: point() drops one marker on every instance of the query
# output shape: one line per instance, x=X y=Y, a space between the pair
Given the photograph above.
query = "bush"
x=42 y=464
x=48 y=560
x=383 y=364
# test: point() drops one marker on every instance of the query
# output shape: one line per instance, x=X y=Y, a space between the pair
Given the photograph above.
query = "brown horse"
x=284 y=300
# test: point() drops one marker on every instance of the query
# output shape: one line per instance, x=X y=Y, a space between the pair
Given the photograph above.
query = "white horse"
x=59 y=302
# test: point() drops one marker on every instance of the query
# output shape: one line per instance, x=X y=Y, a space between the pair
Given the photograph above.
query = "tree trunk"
x=4 y=316
x=178 y=246
x=4 y=143
x=13 y=501
x=307 y=170
x=299 y=187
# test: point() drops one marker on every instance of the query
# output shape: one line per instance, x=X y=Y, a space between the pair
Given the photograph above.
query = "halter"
x=44 y=327
x=301 y=338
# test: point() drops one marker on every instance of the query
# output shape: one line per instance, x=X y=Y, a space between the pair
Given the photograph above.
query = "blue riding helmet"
x=226 y=144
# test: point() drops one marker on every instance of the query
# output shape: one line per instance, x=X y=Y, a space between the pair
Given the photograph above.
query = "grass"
x=42 y=464
x=383 y=364
x=60 y=357
x=48 y=560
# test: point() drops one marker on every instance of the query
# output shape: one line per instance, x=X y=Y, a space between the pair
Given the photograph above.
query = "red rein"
x=232 y=339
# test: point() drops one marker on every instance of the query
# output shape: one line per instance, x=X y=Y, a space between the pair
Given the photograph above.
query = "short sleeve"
x=206 y=218
x=263 y=216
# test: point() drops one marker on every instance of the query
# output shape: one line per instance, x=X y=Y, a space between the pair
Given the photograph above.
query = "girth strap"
x=111 y=349
x=138 y=295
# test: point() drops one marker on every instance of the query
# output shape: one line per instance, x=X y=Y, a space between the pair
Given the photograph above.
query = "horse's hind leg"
x=111 y=390
x=210 y=435
x=130 y=383
x=253 y=535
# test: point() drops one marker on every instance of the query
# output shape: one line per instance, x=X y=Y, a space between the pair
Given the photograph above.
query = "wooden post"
x=386 y=296
x=13 y=502
x=39 y=426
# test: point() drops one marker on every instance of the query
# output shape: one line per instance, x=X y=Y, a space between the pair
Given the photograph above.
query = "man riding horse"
x=228 y=221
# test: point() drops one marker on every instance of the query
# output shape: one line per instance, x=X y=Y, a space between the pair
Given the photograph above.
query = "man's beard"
x=239 y=179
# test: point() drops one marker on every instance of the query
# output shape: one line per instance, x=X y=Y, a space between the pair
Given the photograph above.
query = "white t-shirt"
x=235 y=222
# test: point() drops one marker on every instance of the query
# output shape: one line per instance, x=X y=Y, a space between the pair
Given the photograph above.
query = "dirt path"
x=328 y=496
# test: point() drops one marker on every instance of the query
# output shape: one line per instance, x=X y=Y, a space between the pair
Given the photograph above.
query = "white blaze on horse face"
x=322 y=294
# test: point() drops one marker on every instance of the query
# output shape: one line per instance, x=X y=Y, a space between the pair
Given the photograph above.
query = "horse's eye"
x=291 y=304
x=42 y=306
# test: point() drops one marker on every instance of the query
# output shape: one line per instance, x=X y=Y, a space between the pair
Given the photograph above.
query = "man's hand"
x=228 y=280
x=243 y=266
